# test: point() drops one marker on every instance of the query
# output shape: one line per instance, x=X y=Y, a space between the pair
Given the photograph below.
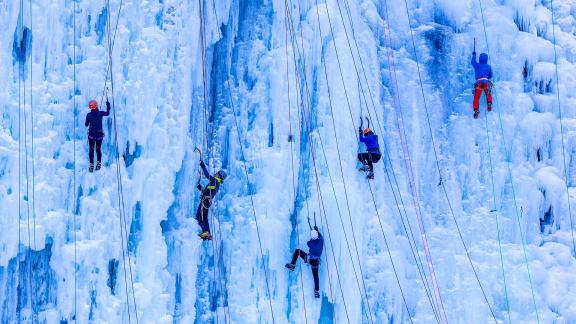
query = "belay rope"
x=245 y=168
x=121 y=209
x=562 y=128
x=32 y=294
x=74 y=123
x=511 y=177
x=217 y=242
x=291 y=140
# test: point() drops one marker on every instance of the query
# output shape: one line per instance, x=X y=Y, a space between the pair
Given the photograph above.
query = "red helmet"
x=93 y=104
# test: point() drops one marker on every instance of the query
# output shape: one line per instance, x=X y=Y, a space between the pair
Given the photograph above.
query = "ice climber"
x=373 y=151
x=95 y=132
x=315 y=245
x=483 y=73
x=208 y=194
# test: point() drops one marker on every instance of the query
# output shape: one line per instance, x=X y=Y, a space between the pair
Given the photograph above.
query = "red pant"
x=478 y=88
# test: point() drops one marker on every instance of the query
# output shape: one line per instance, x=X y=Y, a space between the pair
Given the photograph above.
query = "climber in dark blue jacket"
x=315 y=247
x=373 y=151
x=208 y=194
x=95 y=132
x=483 y=74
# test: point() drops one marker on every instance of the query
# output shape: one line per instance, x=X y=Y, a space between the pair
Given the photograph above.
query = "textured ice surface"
x=270 y=82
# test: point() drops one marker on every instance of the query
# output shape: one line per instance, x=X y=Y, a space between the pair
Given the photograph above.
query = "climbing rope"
x=302 y=116
x=308 y=124
x=20 y=100
x=336 y=50
x=339 y=210
x=562 y=126
x=497 y=219
x=407 y=229
x=372 y=194
x=292 y=153
x=507 y=153
x=438 y=166
x=308 y=96
x=409 y=171
x=74 y=207
x=308 y=121
x=386 y=150
x=340 y=157
x=19 y=167
x=220 y=250
x=339 y=154
x=32 y=134
x=205 y=135
x=408 y=163
x=245 y=168
x=104 y=89
x=121 y=210
x=217 y=234
x=22 y=80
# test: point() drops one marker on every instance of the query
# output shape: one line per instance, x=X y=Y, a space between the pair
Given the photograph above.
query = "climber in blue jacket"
x=315 y=246
x=95 y=132
x=373 y=154
x=483 y=74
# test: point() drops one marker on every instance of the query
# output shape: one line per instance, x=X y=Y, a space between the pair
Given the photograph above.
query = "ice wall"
x=277 y=106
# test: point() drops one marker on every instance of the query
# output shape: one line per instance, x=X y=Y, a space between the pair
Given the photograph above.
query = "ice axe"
x=310 y=225
x=362 y=122
x=199 y=152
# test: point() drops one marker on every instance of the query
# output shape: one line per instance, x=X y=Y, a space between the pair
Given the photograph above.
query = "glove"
x=473 y=53
x=199 y=186
x=107 y=104
x=316 y=227
x=360 y=131
x=202 y=164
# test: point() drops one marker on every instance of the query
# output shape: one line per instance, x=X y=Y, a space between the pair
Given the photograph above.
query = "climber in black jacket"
x=208 y=194
x=95 y=132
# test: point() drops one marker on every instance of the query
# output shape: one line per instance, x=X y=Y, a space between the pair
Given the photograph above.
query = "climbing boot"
x=370 y=175
x=91 y=168
x=316 y=294
x=364 y=168
x=206 y=236
x=290 y=266
x=98 y=165
x=489 y=107
x=476 y=113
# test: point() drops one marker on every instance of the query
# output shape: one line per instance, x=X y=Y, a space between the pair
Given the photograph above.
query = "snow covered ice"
x=286 y=83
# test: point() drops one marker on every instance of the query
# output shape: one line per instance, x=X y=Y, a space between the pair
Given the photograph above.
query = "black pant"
x=98 y=144
x=314 y=266
x=368 y=159
x=202 y=213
